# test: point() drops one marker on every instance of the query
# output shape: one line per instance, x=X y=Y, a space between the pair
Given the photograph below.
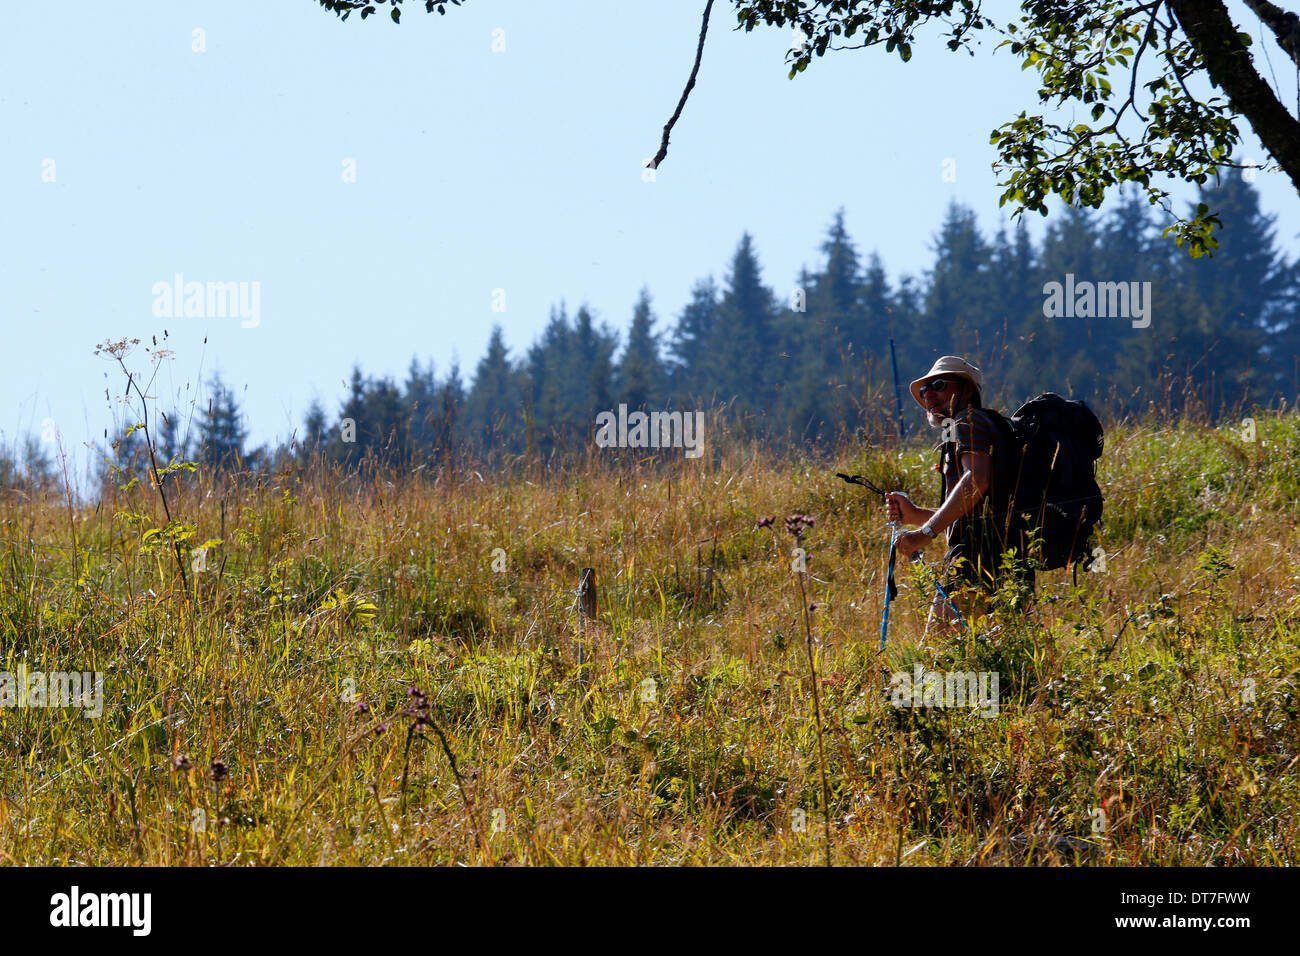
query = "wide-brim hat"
x=949 y=366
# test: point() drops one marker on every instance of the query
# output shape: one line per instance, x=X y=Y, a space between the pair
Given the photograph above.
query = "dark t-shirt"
x=970 y=430
x=976 y=538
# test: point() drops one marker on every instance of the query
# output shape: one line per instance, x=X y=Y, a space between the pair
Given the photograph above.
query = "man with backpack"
x=951 y=394
x=1024 y=484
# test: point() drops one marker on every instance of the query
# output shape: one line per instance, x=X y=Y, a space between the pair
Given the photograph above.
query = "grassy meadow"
x=345 y=638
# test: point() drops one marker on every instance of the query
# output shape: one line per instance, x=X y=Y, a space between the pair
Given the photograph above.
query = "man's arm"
x=977 y=469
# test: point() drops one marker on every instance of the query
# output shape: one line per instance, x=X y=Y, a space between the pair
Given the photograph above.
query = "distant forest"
x=806 y=363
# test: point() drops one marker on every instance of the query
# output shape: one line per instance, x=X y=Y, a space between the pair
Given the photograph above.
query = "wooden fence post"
x=586 y=615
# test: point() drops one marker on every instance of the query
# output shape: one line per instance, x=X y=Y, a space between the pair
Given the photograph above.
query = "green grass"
x=1162 y=692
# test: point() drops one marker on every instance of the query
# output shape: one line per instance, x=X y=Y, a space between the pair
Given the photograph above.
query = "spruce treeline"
x=807 y=362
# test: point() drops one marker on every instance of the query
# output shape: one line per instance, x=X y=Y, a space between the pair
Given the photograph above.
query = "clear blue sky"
x=476 y=170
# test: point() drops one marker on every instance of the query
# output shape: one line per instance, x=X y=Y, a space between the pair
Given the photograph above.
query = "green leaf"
x=397 y=14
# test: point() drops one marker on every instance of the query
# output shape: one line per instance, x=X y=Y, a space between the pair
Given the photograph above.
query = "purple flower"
x=796 y=524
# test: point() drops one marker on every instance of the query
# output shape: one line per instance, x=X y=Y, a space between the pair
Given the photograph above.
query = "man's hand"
x=899 y=507
x=910 y=542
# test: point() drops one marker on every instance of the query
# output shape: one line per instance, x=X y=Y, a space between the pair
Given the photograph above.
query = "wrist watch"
x=928 y=529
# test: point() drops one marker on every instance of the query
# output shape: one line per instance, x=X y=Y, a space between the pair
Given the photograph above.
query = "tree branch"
x=1284 y=24
x=1227 y=61
x=690 y=84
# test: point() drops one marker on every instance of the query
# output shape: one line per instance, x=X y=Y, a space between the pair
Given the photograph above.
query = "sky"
x=393 y=191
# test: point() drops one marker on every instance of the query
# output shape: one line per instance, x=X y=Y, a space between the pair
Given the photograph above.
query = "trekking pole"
x=898 y=396
x=859 y=480
x=891 y=589
x=938 y=586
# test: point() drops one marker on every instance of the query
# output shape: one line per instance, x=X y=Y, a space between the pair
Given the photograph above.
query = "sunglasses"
x=938 y=386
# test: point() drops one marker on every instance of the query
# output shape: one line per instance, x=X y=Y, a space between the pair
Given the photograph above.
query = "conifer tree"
x=221 y=432
x=691 y=340
x=1238 y=300
x=494 y=405
x=641 y=382
x=739 y=361
x=958 y=292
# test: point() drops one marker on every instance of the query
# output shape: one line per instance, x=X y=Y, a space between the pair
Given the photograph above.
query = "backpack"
x=1047 y=484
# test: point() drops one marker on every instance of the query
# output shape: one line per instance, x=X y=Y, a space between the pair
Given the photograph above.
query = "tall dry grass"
x=266 y=715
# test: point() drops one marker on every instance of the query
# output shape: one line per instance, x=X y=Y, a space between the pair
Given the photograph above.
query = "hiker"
x=951 y=394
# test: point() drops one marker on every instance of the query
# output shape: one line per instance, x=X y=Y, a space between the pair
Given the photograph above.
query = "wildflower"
x=218 y=769
x=796 y=524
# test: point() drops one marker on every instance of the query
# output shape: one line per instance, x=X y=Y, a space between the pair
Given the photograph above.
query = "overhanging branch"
x=1227 y=61
x=690 y=84
x=1284 y=24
